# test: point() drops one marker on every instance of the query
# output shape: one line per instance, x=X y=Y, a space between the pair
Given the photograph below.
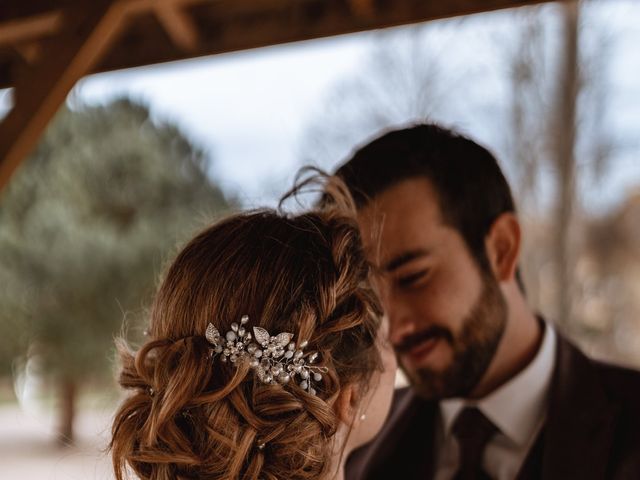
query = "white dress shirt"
x=518 y=409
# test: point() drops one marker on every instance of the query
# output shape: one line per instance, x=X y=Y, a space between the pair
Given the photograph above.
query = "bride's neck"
x=336 y=472
x=338 y=459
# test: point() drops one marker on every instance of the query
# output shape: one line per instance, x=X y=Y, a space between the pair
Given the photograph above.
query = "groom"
x=495 y=391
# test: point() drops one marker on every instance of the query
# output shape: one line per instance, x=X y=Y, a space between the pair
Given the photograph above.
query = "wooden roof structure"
x=46 y=46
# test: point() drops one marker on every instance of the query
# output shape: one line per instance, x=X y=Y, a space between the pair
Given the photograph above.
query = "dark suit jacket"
x=592 y=429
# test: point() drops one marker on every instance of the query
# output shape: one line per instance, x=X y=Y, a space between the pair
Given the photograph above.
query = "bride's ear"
x=347 y=403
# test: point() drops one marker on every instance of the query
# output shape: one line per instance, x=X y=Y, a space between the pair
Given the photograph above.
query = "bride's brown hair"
x=190 y=417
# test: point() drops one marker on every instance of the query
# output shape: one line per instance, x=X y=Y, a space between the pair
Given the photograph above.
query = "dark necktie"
x=473 y=431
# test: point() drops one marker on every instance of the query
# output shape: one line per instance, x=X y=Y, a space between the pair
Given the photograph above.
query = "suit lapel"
x=580 y=422
x=532 y=467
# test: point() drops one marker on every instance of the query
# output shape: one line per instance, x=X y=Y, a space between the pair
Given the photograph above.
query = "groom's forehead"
x=400 y=224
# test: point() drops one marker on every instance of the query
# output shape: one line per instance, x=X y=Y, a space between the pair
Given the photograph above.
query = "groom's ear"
x=502 y=245
x=347 y=402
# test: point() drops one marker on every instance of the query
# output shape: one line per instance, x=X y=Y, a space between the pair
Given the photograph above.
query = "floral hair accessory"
x=275 y=359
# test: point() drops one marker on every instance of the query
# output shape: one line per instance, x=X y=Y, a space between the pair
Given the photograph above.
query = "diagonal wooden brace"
x=39 y=91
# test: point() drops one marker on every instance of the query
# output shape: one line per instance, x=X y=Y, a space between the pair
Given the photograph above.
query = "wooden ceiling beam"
x=230 y=15
x=78 y=41
x=41 y=90
x=31 y=51
x=179 y=25
x=285 y=21
x=22 y=30
x=363 y=8
x=143 y=6
x=24 y=27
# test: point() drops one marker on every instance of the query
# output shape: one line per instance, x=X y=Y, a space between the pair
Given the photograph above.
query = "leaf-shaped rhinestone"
x=261 y=335
x=283 y=339
x=212 y=334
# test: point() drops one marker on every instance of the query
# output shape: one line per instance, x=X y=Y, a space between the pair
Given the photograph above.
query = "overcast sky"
x=251 y=109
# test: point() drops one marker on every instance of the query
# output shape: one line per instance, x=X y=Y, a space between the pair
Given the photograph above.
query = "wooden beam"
x=322 y=18
x=144 y=6
x=88 y=29
x=19 y=27
x=41 y=90
x=15 y=9
x=282 y=21
x=178 y=24
x=363 y=8
x=21 y=30
x=31 y=52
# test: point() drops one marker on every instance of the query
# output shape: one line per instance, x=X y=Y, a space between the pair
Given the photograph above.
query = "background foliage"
x=85 y=227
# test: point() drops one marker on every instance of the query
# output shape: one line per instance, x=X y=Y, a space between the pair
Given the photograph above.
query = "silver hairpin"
x=275 y=359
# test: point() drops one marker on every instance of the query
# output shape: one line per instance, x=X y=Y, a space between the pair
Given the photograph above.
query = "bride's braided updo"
x=191 y=417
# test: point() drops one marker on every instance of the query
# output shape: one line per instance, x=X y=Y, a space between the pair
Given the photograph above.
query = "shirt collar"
x=516 y=407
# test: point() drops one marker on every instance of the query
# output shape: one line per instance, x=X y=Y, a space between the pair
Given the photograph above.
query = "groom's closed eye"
x=412 y=279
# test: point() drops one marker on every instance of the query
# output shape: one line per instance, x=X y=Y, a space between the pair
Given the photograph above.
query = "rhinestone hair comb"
x=275 y=359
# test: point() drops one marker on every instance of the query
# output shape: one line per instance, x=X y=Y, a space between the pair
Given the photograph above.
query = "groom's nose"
x=402 y=321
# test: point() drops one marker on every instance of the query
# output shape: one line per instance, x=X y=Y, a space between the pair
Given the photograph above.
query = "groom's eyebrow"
x=404 y=258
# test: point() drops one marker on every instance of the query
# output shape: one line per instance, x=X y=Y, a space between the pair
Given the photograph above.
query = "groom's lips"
x=420 y=352
x=416 y=348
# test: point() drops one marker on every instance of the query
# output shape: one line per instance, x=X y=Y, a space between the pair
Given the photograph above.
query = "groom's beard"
x=473 y=348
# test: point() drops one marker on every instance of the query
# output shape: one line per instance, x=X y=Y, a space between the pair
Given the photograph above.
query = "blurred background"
x=137 y=160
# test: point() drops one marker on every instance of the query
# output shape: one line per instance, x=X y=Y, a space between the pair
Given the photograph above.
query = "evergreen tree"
x=85 y=226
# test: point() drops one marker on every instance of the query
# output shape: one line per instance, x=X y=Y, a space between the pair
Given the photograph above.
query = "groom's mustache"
x=411 y=341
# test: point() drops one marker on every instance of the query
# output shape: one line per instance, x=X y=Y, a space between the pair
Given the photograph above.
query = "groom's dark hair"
x=471 y=188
